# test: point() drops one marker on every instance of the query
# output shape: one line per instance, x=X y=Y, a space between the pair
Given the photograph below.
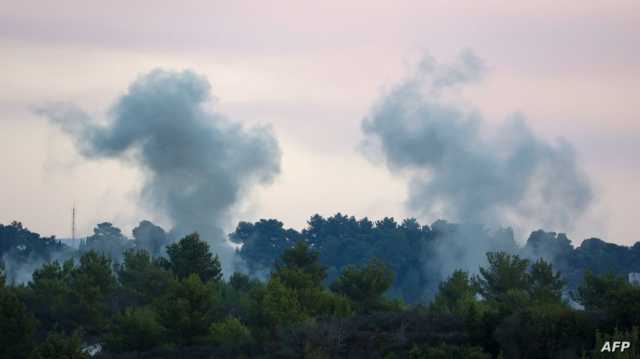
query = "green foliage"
x=92 y=283
x=94 y=273
x=60 y=346
x=3 y=277
x=239 y=298
x=230 y=333
x=191 y=255
x=141 y=278
x=522 y=310
x=66 y=296
x=445 y=351
x=180 y=306
x=263 y=242
x=24 y=248
x=624 y=308
x=341 y=241
x=505 y=273
x=319 y=302
x=240 y=281
x=186 y=310
x=365 y=285
x=50 y=294
x=612 y=295
x=508 y=283
x=544 y=331
x=456 y=295
x=596 y=291
x=280 y=304
x=300 y=267
x=545 y=284
x=16 y=325
x=136 y=329
x=295 y=292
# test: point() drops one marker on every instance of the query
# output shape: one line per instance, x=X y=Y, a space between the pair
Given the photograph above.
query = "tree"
x=142 y=278
x=556 y=247
x=456 y=295
x=92 y=283
x=187 y=310
x=59 y=345
x=50 y=293
x=21 y=248
x=300 y=267
x=239 y=298
x=601 y=257
x=506 y=273
x=280 y=305
x=240 y=282
x=68 y=296
x=230 y=333
x=150 y=237
x=365 y=285
x=596 y=291
x=544 y=330
x=22 y=243
x=295 y=288
x=545 y=284
x=136 y=329
x=17 y=326
x=191 y=255
x=613 y=296
x=2 y=275
x=445 y=351
x=107 y=240
x=512 y=309
x=263 y=242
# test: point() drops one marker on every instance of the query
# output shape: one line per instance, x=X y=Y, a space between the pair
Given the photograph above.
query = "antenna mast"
x=73 y=225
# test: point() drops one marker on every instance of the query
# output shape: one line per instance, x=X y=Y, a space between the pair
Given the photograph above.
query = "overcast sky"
x=312 y=70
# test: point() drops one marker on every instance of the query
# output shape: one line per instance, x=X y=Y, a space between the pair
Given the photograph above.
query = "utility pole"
x=73 y=225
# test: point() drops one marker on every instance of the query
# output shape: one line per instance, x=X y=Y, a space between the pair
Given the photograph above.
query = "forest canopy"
x=342 y=287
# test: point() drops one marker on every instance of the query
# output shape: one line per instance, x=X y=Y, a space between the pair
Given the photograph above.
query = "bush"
x=137 y=329
x=445 y=351
x=59 y=345
x=230 y=333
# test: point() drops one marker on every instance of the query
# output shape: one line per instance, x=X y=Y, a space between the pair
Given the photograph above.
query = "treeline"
x=179 y=305
x=23 y=251
x=422 y=256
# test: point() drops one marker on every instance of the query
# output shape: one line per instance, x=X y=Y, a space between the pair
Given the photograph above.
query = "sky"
x=312 y=71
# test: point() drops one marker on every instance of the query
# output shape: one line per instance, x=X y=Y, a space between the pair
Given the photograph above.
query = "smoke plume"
x=459 y=167
x=197 y=164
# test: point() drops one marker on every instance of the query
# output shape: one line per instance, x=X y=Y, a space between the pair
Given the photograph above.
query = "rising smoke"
x=460 y=168
x=197 y=164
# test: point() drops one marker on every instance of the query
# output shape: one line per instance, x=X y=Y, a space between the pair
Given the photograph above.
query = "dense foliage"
x=422 y=256
x=317 y=299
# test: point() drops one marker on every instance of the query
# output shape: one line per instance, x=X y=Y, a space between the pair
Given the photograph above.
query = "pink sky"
x=312 y=71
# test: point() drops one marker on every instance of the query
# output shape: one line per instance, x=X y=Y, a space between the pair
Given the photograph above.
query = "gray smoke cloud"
x=197 y=164
x=463 y=169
